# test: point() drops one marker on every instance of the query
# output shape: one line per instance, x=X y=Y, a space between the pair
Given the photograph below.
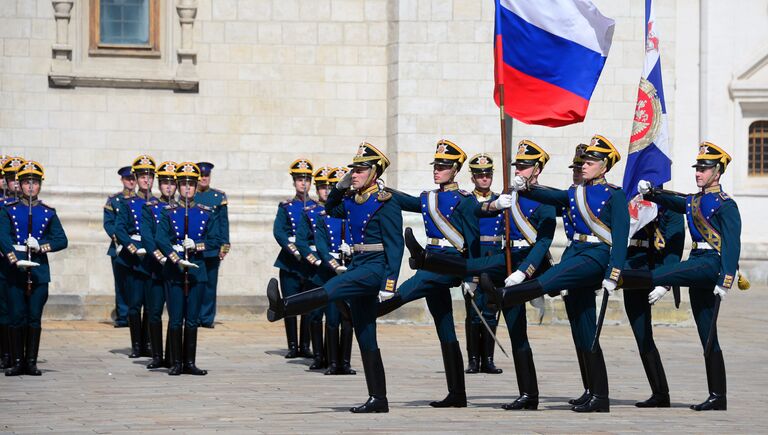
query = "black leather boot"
x=473 y=348
x=17 y=352
x=174 y=336
x=347 y=333
x=146 y=343
x=304 y=337
x=333 y=353
x=134 y=326
x=598 y=376
x=438 y=263
x=636 y=279
x=526 y=382
x=717 y=400
x=508 y=297
x=584 y=369
x=385 y=307
x=488 y=346
x=5 y=347
x=292 y=335
x=156 y=343
x=654 y=370
x=190 y=353
x=316 y=331
x=454 y=376
x=300 y=303
x=167 y=355
x=32 y=348
x=376 y=381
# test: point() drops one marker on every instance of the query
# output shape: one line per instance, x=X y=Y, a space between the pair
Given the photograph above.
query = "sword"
x=482 y=319
x=600 y=319
x=712 y=328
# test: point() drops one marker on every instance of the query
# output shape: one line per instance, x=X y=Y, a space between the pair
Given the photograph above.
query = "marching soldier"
x=491 y=233
x=714 y=224
x=11 y=192
x=331 y=239
x=218 y=246
x=374 y=215
x=293 y=270
x=138 y=279
x=532 y=227
x=451 y=224
x=111 y=208
x=600 y=217
x=181 y=237
x=29 y=230
x=151 y=214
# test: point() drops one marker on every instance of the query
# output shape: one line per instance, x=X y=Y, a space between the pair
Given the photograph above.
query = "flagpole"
x=505 y=158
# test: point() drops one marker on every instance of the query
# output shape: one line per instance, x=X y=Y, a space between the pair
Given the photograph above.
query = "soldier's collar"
x=35 y=201
x=191 y=204
x=363 y=196
x=482 y=195
x=714 y=189
x=201 y=189
x=166 y=199
x=128 y=193
x=146 y=196
x=299 y=198
x=596 y=181
x=447 y=187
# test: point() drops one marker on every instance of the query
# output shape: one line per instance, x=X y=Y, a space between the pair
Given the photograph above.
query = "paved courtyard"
x=89 y=384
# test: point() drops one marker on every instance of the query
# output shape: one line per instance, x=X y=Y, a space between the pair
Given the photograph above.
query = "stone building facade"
x=253 y=84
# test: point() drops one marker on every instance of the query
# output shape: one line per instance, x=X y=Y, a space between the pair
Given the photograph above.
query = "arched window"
x=758 y=148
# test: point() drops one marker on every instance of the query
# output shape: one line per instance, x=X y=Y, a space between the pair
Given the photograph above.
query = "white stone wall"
x=279 y=79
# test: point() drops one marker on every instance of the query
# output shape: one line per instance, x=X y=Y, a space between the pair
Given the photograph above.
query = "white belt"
x=491 y=238
x=578 y=237
x=292 y=239
x=520 y=242
x=20 y=248
x=639 y=243
x=136 y=237
x=373 y=247
x=440 y=242
x=701 y=245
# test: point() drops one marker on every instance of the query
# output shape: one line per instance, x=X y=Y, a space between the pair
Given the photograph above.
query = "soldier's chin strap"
x=371 y=178
x=711 y=177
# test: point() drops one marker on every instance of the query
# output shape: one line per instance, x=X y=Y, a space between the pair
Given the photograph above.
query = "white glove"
x=118 y=248
x=33 y=244
x=163 y=260
x=519 y=183
x=297 y=255
x=516 y=278
x=188 y=244
x=384 y=295
x=609 y=285
x=468 y=288
x=141 y=252
x=345 y=249
x=317 y=262
x=341 y=269
x=657 y=293
x=563 y=293
x=644 y=186
x=720 y=291
x=504 y=201
x=23 y=264
x=345 y=181
x=184 y=264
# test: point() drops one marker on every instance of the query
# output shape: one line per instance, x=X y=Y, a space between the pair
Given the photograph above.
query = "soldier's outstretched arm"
x=727 y=222
x=54 y=239
x=619 y=215
x=546 y=195
x=334 y=206
x=546 y=223
x=667 y=200
x=407 y=202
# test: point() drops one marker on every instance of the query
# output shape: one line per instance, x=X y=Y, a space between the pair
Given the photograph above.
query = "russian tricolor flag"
x=649 y=147
x=549 y=55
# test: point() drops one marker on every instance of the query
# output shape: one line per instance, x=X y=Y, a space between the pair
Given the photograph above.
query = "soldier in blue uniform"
x=532 y=227
x=714 y=224
x=491 y=233
x=293 y=269
x=658 y=243
x=11 y=193
x=374 y=215
x=332 y=241
x=181 y=237
x=151 y=214
x=138 y=278
x=593 y=260
x=29 y=230
x=111 y=208
x=451 y=223
x=218 y=246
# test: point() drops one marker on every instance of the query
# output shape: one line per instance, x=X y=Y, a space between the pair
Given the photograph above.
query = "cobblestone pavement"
x=89 y=384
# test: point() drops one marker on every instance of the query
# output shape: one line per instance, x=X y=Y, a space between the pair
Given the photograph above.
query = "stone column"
x=186 y=73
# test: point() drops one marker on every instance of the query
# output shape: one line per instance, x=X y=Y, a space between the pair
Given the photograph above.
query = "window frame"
x=96 y=48
x=757 y=165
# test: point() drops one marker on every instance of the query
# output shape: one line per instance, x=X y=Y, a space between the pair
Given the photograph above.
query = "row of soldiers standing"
x=29 y=230
x=166 y=252
x=465 y=247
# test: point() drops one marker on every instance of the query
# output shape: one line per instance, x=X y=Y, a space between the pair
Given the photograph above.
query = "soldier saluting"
x=714 y=224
